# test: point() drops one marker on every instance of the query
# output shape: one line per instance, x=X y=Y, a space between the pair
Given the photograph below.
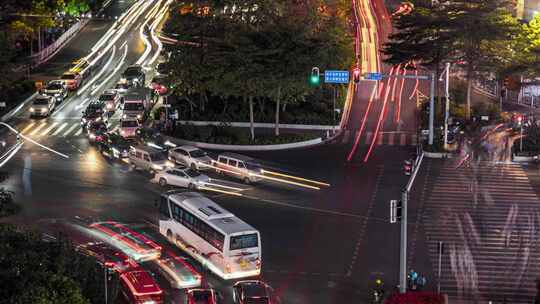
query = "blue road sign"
x=332 y=76
x=373 y=76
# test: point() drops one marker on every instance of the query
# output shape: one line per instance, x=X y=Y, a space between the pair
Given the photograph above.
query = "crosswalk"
x=385 y=138
x=488 y=217
x=57 y=128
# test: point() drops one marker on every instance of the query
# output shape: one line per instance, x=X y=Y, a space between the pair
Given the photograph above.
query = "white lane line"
x=60 y=129
x=49 y=129
x=79 y=132
x=37 y=129
x=82 y=103
x=28 y=127
x=70 y=129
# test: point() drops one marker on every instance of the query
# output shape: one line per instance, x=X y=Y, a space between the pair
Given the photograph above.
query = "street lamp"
x=520 y=122
x=447 y=103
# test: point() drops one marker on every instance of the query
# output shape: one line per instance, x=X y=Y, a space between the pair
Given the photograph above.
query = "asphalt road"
x=324 y=246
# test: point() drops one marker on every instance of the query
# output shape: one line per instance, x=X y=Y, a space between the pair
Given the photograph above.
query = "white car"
x=191 y=157
x=42 y=106
x=111 y=99
x=57 y=89
x=182 y=177
x=128 y=127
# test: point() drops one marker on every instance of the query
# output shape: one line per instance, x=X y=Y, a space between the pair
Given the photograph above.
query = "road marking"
x=60 y=129
x=37 y=129
x=391 y=139
x=116 y=126
x=69 y=130
x=79 y=132
x=403 y=139
x=28 y=127
x=49 y=129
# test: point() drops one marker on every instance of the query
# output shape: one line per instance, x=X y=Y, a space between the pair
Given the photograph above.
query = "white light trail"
x=118 y=67
x=96 y=77
x=11 y=153
x=32 y=141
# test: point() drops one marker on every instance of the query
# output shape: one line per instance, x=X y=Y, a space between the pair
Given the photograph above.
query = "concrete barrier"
x=209 y=146
x=257 y=125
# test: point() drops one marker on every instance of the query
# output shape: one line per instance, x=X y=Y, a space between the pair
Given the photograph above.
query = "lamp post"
x=447 y=104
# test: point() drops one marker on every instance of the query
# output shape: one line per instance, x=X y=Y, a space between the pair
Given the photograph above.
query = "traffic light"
x=395 y=211
x=315 y=76
x=356 y=75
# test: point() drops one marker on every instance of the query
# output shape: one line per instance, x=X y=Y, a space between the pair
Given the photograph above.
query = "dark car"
x=114 y=146
x=94 y=112
x=134 y=75
x=96 y=131
x=252 y=292
x=151 y=137
x=201 y=296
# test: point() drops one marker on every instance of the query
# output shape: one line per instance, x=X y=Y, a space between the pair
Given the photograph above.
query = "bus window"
x=244 y=241
x=164 y=208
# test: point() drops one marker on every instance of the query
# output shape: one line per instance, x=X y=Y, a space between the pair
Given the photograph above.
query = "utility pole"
x=431 y=109
x=403 y=243
x=447 y=105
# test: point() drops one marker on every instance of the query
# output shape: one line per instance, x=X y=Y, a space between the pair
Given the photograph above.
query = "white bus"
x=218 y=239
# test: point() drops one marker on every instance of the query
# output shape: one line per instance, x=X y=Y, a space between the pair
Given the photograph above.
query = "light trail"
x=148 y=45
x=264 y=177
x=224 y=187
x=363 y=125
x=101 y=71
x=32 y=141
x=415 y=90
x=381 y=115
x=398 y=110
x=296 y=178
x=220 y=191
x=10 y=153
x=116 y=69
x=153 y=33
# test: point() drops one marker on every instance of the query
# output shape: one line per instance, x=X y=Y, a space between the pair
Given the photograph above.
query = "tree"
x=476 y=25
x=423 y=36
x=35 y=271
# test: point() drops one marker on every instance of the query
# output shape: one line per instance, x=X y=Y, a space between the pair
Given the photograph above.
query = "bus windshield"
x=133 y=106
x=244 y=241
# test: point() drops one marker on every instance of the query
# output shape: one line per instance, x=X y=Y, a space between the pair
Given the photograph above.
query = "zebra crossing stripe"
x=69 y=130
x=403 y=139
x=37 y=129
x=391 y=138
x=79 y=132
x=28 y=127
x=60 y=129
x=49 y=129
x=116 y=127
x=369 y=135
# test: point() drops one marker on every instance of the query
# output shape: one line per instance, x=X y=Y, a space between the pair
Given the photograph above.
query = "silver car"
x=191 y=157
x=57 y=89
x=182 y=177
x=42 y=106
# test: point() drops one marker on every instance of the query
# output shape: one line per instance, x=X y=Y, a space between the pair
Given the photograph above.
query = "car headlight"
x=98 y=119
x=139 y=116
x=169 y=164
x=124 y=116
x=56 y=94
x=92 y=136
x=43 y=110
x=157 y=167
x=109 y=106
x=123 y=133
x=32 y=110
x=83 y=120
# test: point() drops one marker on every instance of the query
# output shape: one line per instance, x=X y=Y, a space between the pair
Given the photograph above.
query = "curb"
x=296 y=145
x=257 y=125
x=523 y=159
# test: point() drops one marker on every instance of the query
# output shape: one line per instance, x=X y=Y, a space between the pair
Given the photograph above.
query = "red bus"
x=139 y=287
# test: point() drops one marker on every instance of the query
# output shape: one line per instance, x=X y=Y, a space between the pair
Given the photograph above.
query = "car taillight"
x=258 y=263
x=228 y=268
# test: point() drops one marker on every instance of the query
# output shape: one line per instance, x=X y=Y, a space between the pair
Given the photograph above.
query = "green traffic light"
x=314 y=79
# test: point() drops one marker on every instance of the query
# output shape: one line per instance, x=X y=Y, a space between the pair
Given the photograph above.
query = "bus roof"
x=141 y=283
x=208 y=210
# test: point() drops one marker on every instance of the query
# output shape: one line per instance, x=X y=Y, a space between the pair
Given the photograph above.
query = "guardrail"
x=45 y=54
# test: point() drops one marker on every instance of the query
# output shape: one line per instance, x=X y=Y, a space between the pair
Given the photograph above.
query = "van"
x=137 y=103
x=148 y=159
x=239 y=166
